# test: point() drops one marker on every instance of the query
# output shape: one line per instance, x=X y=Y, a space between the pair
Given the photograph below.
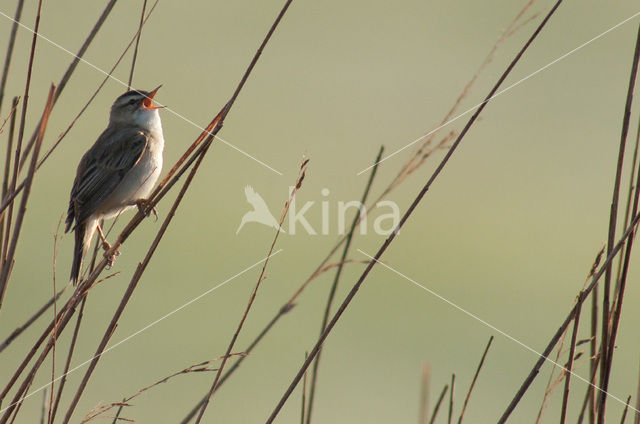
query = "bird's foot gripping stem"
x=111 y=258
x=143 y=205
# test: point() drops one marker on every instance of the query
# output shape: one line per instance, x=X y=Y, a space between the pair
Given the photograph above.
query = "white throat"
x=149 y=120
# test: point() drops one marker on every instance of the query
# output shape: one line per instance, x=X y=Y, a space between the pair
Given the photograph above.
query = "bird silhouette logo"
x=260 y=212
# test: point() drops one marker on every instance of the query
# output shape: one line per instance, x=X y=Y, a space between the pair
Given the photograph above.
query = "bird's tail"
x=78 y=253
x=83 y=235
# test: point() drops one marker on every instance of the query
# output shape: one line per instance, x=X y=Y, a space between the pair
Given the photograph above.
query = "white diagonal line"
x=500 y=92
x=236 y=148
x=475 y=317
x=144 y=328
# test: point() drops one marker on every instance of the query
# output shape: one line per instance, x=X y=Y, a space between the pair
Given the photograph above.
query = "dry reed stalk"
x=595 y=356
x=299 y=179
x=593 y=345
x=590 y=392
x=451 y=393
x=408 y=213
x=16 y=333
x=554 y=339
x=4 y=233
x=135 y=49
x=419 y=156
x=436 y=408
x=475 y=378
x=55 y=312
x=627 y=210
x=7 y=265
x=304 y=394
x=619 y=294
x=67 y=365
x=626 y=409
x=336 y=280
x=607 y=345
x=10 y=45
x=71 y=68
x=44 y=403
x=569 y=367
x=425 y=380
x=195 y=368
x=551 y=384
x=23 y=208
x=637 y=419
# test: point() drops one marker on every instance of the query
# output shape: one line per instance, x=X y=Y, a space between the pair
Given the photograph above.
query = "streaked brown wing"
x=102 y=168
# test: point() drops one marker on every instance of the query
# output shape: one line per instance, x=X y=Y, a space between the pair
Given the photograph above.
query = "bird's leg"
x=106 y=246
x=142 y=205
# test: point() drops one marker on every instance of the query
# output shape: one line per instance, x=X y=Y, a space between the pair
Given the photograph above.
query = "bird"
x=260 y=212
x=117 y=173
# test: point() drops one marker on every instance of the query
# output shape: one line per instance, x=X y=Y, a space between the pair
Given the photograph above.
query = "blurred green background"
x=508 y=231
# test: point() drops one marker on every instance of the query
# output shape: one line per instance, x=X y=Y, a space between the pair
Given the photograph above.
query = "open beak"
x=148 y=102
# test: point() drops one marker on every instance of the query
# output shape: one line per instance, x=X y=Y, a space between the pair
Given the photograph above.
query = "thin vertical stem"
x=626 y=409
x=5 y=227
x=336 y=280
x=425 y=381
x=436 y=408
x=475 y=378
x=5 y=272
x=605 y=368
x=71 y=68
x=10 y=46
x=135 y=49
x=569 y=366
x=252 y=296
x=67 y=364
x=451 y=392
x=304 y=394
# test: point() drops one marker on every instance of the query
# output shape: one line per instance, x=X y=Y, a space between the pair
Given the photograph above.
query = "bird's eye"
x=132 y=101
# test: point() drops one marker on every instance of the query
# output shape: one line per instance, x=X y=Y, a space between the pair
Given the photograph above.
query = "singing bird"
x=118 y=172
x=260 y=212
